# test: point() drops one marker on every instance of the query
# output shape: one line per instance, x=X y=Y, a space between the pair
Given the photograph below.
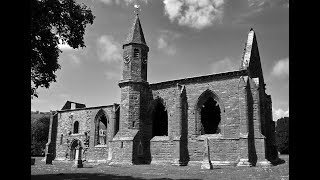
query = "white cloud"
x=126 y=2
x=279 y=113
x=108 y=2
x=224 y=65
x=64 y=46
x=165 y=41
x=108 y=49
x=267 y=3
x=281 y=68
x=196 y=14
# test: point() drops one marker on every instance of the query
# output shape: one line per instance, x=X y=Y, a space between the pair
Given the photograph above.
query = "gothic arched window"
x=101 y=128
x=208 y=114
x=159 y=119
x=61 y=139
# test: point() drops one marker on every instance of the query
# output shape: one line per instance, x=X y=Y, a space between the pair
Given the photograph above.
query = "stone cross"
x=137 y=9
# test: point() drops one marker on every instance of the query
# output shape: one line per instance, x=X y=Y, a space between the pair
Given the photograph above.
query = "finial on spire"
x=137 y=9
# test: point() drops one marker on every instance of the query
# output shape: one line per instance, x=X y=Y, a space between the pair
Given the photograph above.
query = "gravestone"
x=206 y=164
x=48 y=158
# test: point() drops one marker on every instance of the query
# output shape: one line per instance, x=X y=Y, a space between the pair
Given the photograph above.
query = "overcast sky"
x=186 y=38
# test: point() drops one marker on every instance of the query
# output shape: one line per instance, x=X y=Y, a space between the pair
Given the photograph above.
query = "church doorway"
x=159 y=120
x=73 y=148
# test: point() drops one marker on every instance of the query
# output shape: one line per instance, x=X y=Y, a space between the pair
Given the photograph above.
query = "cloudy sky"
x=186 y=38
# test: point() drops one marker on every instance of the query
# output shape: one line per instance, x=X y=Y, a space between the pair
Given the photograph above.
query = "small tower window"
x=76 y=127
x=136 y=53
x=61 y=139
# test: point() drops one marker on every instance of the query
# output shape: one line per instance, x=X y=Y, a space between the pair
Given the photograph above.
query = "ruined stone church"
x=225 y=116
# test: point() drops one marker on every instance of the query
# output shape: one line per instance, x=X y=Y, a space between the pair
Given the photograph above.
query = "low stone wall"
x=162 y=150
x=223 y=151
x=122 y=151
x=97 y=153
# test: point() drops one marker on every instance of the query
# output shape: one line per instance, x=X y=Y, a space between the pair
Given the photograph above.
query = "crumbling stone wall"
x=86 y=118
x=225 y=87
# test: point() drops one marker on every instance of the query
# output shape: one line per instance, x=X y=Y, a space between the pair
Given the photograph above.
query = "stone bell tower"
x=134 y=83
x=129 y=146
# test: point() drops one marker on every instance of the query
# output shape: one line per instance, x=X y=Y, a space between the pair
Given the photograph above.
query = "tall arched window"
x=208 y=114
x=61 y=139
x=76 y=127
x=159 y=119
x=101 y=123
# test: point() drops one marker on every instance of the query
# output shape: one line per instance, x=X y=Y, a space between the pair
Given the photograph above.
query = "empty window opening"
x=136 y=53
x=210 y=117
x=117 y=122
x=160 y=121
x=121 y=146
x=61 y=139
x=102 y=130
x=76 y=127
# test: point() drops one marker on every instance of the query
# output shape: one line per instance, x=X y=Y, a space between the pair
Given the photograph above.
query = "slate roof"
x=136 y=34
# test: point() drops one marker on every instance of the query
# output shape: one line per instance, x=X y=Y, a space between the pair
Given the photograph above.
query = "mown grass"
x=64 y=170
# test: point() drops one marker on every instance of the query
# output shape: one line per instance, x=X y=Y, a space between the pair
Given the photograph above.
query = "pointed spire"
x=136 y=34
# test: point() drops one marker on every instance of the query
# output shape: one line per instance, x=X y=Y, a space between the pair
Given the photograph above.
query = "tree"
x=53 y=21
x=282 y=135
x=39 y=134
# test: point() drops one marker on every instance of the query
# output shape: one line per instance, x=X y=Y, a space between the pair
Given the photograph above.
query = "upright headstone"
x=32 y=161
x=206 y=164
x=48 y=158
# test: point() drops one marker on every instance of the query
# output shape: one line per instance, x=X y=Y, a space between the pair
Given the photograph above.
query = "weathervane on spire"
x=137 y=9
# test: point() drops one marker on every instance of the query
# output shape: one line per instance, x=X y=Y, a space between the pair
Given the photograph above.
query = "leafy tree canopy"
x=39 y=134
x=53 y=21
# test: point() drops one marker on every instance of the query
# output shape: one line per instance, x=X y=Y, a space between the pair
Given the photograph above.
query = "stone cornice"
x=130 y=81
x=201 y=78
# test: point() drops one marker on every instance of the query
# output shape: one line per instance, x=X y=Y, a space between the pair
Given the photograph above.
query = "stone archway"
x=100 y=126
x=209 y=112
x=159 y=120
x=157 y=116
x=74 y=144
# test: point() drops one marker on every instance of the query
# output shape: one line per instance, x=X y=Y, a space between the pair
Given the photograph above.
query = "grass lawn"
x=65 y=171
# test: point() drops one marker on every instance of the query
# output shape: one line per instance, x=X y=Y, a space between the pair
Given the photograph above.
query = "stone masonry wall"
x=161 y=150
x=86 y=118
x=224 y=148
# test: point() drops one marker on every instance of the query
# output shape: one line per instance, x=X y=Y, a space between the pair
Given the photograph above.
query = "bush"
x=39 y=135
x=282 y=135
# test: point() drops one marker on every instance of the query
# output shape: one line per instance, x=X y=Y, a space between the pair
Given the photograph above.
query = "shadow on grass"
x=278 y=162
x=84 y=176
